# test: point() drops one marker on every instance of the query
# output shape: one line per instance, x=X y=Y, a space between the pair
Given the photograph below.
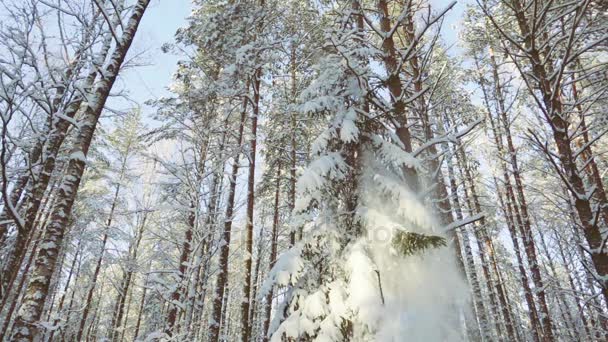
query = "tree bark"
x=25 y=324
x=140 y=311
x=47 y=155
x=527 y=237
x=479 y=231
x=181 y=273
x=127 y=279
x=510 y=197
x=395 y=89
x=273 y=252
x=505 y=205
x=478 y=304
x=222 y=277
x=554 y=111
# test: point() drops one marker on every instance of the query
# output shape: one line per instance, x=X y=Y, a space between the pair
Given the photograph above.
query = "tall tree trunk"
x=225 y=236
x=505 y=205
x=512 y=331
x=479 y=231
x=527 y=237
x=293 y=157
x=245 y=305
x=395 y=89
x=37 y=289
x=273 y=252
x=246 y=320
x=183 y=267
x=481 y=332
x=127 y=279
x=47 y=154
x=104 y=240
x=510 y=198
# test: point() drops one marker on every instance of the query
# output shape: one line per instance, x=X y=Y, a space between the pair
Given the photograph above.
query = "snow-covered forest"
x=345 y=170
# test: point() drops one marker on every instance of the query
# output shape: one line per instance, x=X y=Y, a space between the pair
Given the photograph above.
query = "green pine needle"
x=408 y=243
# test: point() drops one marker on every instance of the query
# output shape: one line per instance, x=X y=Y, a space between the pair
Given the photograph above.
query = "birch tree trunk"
x=25 y=328
x=47 y=155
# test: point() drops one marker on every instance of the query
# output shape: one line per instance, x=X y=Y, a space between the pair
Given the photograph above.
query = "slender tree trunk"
x=246 y=320
x=245 y=306
x=127 y=279
x=140 y=310
x=498 y=136
x=222 y=277
x=473 y=204
x=293 y=158
x=508 y=214
x=512 y=330
x=527 y=236
x=273 y=252
x=104 y=240
x=479 y=307
x=181 y=273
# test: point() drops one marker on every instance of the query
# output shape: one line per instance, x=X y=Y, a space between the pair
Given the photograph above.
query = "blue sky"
x=158 y=27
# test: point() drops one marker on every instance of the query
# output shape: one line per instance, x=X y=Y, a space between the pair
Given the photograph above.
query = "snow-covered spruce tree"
x=371 y=260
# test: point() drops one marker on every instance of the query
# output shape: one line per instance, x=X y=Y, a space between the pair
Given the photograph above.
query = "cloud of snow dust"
x=424 y=294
